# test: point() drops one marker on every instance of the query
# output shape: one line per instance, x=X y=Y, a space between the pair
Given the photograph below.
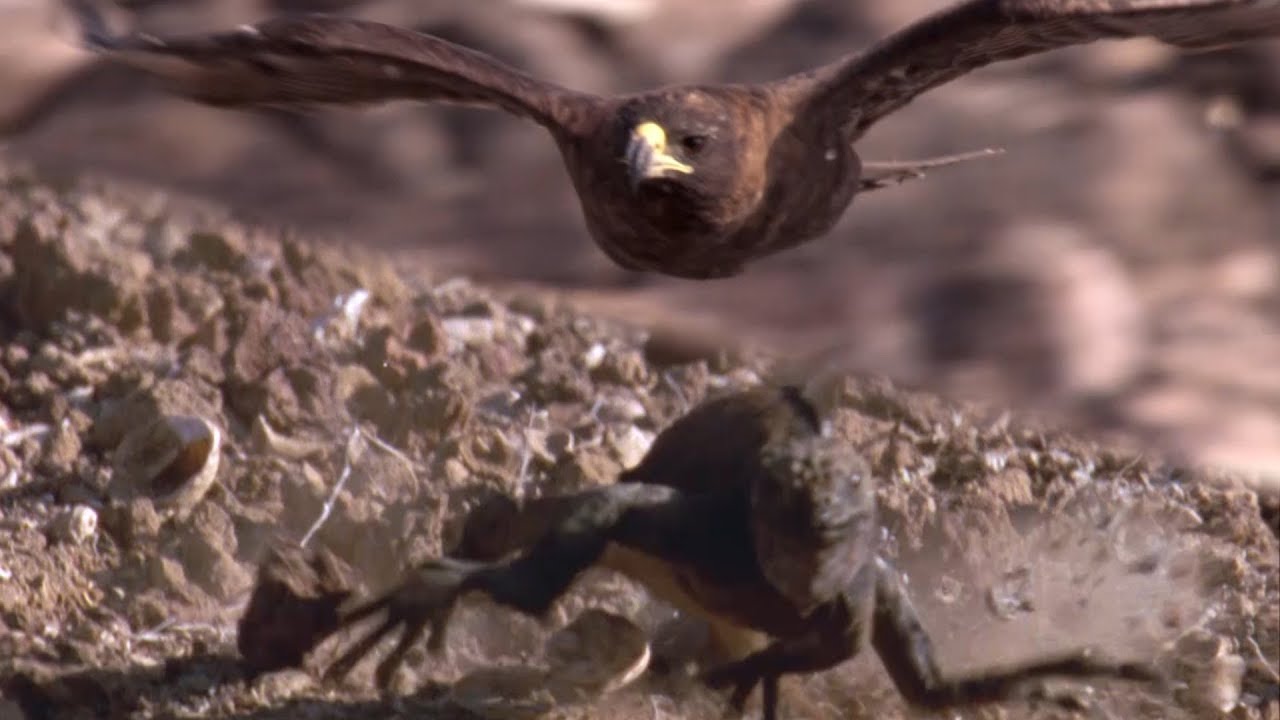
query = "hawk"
x=693 y=181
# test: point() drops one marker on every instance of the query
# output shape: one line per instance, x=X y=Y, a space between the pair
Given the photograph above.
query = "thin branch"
x=351 y=454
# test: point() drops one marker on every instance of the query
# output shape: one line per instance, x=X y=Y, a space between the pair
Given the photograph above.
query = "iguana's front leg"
x=634 y=514
x=835 y=632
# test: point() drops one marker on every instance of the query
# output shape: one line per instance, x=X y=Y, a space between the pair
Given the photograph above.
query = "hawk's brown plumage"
x=692 y=181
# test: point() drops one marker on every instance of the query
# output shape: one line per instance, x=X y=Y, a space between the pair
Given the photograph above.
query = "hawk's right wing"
x=869 y=85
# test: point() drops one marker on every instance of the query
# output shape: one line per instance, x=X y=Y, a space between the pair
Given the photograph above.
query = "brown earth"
x=367 y=429
x=1118 y=267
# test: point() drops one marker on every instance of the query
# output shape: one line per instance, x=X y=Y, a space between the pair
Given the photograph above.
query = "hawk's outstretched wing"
x=317 y=59
x=872 y=84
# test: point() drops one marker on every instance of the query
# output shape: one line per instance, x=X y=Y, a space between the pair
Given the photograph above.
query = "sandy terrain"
x=128 y=547
x=1117 y=271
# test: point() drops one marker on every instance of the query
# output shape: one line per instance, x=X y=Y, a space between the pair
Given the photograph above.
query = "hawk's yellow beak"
x=647 y=155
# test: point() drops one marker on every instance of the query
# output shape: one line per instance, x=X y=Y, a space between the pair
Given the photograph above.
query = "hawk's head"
x=693 y=158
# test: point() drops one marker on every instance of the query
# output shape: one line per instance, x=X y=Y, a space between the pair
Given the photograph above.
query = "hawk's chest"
x=812 y=181
x=631 y=233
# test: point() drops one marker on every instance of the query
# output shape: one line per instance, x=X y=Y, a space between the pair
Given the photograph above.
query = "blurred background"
x=1117 y=268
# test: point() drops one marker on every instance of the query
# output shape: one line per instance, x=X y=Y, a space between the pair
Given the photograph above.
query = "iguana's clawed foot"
x=422 y=604
x=743 y=676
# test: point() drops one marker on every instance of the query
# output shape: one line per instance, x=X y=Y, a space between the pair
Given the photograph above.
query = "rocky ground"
x=1119 y=266
x=178 y=391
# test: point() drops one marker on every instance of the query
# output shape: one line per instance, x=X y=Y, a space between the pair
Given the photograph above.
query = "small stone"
x=214 y=251
x=75 y=525
x=627 y=368
x=205 y=547
x=597 y=653
x=455 y=473
x=352 y=380
x=201 y=365
x=468 y=332
x=552 y=378
x=588 y=467
x=224 y=578
x=1012 y=485
x=538 y=307
x=548 y=446
x=504 y=693
x=148 y=611
x=1213 y=673
x=488 y=449
x=133 y=523
x=502 y=402
x=168 y=323
x=390 y=360
x=741 y=379
x=1222 y=568
x=1010 y=597
x=285 y=683
x=166 y=574
x=427 y=336
x=630 y=445
x=62 y=449
x=948 y=590
x=268 y=338
x=594 y=355
x=56 y=273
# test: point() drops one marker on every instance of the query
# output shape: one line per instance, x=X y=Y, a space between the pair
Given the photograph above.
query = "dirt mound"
x=338 y=405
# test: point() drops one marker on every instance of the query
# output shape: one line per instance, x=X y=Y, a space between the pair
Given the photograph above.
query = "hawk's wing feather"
x=941 y=47
x=317 y=59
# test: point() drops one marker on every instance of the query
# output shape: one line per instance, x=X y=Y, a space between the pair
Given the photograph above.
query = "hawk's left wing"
x=318 y=59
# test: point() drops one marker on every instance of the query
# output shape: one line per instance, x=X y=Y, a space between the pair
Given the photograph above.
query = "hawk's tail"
x=877 y=175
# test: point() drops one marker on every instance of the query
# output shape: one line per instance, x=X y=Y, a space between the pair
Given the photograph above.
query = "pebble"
x=77 y=525
x=631 y=445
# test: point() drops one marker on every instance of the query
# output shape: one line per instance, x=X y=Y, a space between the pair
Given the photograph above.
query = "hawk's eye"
x=693 y=143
